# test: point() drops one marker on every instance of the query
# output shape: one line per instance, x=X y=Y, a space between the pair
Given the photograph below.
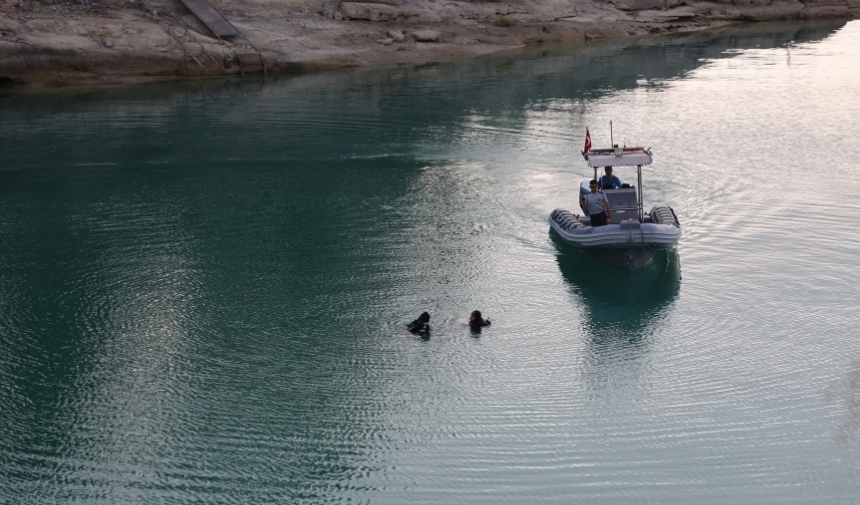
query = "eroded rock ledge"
x=77 y=41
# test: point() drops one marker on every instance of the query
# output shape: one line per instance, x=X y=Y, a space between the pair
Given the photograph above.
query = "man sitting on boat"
x=609 y=181
x=597 y=206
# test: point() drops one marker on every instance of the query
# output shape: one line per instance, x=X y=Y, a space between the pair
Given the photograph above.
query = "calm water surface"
x=203 y=285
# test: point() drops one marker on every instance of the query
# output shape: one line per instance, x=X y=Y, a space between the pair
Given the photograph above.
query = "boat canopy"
x=630 y=156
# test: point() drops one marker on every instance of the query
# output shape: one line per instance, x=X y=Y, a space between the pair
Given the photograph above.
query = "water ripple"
x=204 y=287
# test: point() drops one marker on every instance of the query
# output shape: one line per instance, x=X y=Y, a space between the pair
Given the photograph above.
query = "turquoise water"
x=204 y=285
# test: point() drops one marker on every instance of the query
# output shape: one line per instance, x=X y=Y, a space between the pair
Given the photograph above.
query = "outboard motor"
x=663 y=214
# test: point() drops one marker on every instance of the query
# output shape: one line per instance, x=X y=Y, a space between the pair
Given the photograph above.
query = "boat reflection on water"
x=620 y=306
x=621 y=310
x=619 y=301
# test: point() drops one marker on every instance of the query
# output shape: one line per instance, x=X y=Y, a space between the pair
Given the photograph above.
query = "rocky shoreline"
x=121 y=41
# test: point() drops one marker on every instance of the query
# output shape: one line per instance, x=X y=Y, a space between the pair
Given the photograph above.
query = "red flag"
x=587 y=141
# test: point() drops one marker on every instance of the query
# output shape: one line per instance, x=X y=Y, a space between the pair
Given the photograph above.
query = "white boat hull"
x=627 y=244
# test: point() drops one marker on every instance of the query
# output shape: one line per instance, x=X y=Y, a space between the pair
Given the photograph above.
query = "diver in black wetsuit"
x=420 y=325
x=476 y=321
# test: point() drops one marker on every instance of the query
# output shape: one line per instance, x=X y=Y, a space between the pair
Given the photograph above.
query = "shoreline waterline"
x=120 y=43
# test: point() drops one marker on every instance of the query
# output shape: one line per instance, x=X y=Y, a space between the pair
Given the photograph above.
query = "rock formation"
x=132 y=40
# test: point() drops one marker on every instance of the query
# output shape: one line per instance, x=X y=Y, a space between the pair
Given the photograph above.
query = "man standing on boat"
x=597 y=206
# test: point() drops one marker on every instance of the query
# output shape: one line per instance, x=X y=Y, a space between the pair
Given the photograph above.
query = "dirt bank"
x=67 y=42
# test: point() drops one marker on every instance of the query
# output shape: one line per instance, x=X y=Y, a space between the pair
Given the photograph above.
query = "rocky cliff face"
x=132 y=40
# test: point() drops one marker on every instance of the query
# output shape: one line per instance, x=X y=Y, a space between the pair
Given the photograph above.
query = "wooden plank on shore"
x=211 y=18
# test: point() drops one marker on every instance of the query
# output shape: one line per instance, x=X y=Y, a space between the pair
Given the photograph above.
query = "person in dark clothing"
x=420 y=325
x=476 y=321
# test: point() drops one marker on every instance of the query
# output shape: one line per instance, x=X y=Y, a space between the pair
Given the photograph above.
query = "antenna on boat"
x=611 y=139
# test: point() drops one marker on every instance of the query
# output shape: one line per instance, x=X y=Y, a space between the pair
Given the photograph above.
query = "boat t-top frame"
x=622 y=157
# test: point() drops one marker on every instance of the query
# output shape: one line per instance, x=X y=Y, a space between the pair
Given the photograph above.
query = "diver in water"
x=476 y=322
x=420 y=325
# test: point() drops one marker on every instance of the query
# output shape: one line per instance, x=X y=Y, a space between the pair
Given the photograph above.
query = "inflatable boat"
x=633 y=235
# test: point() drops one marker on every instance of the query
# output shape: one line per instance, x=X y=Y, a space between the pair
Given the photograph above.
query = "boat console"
x=623 y=203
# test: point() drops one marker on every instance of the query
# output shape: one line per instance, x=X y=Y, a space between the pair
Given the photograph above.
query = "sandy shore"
x=67 y=42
